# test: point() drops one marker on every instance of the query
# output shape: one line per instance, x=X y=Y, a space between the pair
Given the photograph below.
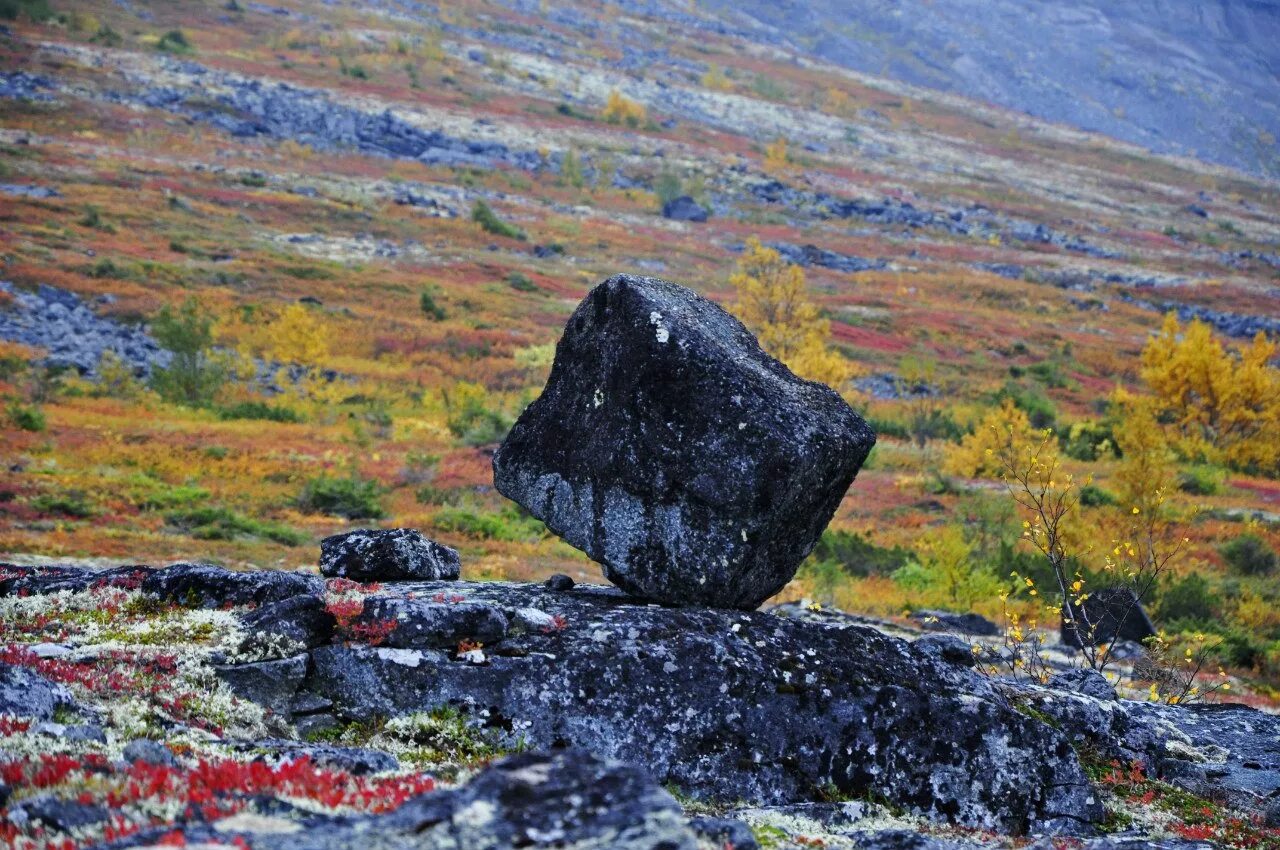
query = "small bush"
x=1188 y=599
x=857 y=555
x=1088 y=441
x=26 y=417
x=175 y=41
x=470 y=415
x=260 y=410
x=1031 y=401
x=192 y=377
x=1093 y=496
x=521 y=282
x=217 y=523
x=350 y=497
x=510 y=524
x=1202 y=480
x=483 y=215
x=35 y=10
x=1249 y=554
x=427 y=304
x=73 y=504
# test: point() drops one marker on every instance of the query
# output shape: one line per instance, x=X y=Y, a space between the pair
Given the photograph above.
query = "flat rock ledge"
x=626 y=715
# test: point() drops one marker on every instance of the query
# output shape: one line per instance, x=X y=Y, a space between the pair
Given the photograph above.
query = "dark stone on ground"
x=1223 y=751
x=725 y=832
x=271 y=684
x=948 y=621
x=948 y=649
x=420 y=623
x=812 y=255
x=391 y=555
x=1105 y=615
x=35 y=581
x=150 y=752
x=300 y=622
x=25 y=693
x=57 y=813
x=669 y=447
x=1084 y=681
x=729 y=705
x=207 y=586
x=560 y=582
x=684 y=208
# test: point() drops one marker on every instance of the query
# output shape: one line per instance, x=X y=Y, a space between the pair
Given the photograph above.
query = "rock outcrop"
x=1106 y=615
x=724 y=704
x=669 y=447
x=684 y=208
x=392 y=555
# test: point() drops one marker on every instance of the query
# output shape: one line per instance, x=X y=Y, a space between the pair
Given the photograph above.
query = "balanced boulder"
x=392 y=555
x=669 y=447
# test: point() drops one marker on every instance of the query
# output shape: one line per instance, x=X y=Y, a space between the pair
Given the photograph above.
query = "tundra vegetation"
x=1056 y=352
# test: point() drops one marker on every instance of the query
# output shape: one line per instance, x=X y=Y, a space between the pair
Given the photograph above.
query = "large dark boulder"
x=728 y=705
x=669 y=447
x=684 y=208
x=391 y=555
x=1107 y=614
x=209 y=586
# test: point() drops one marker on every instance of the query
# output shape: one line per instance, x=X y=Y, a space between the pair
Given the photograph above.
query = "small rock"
x=559 y=582
x=299 y=622
x=418 y=623
x=1107 y=614
x=25 y=693
x=207 y=586
x=969 y=623
x=397 y=554
x=946 y=648
x=64 y=815
x=668 y=446
x=684 y=208
x=149 y=752
x=1084 y=681
x=270 y=684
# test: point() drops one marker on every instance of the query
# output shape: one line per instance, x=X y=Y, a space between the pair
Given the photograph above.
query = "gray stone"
x=668 y=446
x=392 y=555
x=25 y=693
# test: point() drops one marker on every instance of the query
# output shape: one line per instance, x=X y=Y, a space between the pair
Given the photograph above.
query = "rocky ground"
x=154 y=706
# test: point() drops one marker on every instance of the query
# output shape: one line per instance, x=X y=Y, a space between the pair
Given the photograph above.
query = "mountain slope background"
x=1176 y=76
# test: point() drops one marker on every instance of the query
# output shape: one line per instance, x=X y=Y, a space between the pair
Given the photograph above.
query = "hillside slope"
x=1175 y=76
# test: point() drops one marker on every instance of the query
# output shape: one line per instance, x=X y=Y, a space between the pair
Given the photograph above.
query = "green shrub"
x=857 y=555
x=1093 y=496
x=175 y=41
x=1031 y=401
x=470 y=416
x=107 y=37
x=889 y=427
x=26 y=417
x=350 y=497
x=667 y=187
x=218 y=523
x=35 y=10
x=1187 y=599
x=260 y=410
x=148 y=494
x=72 y=503
x=427 y=304
x=1202 y=480
x=1251 y=555
x=521 y=282
x=193 y=376
x=510 y=524
x=1088 y=441
x=483 y=215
